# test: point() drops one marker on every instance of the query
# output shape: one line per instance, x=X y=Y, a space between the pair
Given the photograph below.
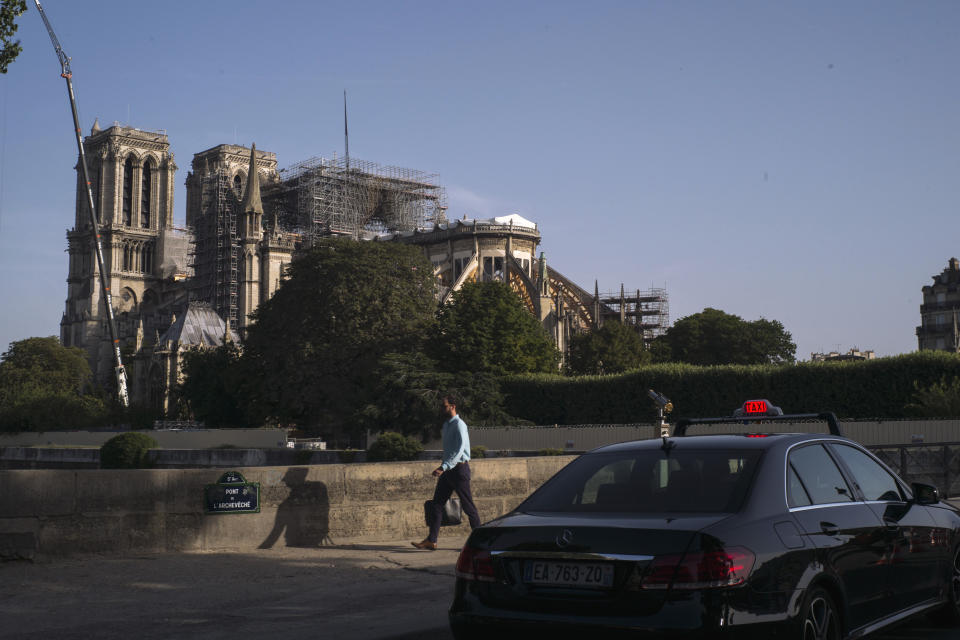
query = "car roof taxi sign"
x=758 y=408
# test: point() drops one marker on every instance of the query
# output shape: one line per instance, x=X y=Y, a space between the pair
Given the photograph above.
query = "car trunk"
x=592 y=564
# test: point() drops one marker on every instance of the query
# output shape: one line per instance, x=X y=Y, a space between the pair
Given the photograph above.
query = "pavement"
x=361 y=591
x=365 y=591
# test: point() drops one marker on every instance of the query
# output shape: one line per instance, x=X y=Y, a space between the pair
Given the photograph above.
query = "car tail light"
x=700 y=570
x=475 y=564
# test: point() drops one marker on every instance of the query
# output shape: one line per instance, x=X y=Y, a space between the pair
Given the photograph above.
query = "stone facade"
x=940 y=312
x=505 y=249
x=131 y=174
x=151 y=264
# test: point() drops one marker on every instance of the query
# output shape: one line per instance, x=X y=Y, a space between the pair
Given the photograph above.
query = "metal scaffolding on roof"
x=648 y=311
x=345 y=196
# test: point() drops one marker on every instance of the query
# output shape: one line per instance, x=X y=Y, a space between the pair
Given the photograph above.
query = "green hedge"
x=864 y=389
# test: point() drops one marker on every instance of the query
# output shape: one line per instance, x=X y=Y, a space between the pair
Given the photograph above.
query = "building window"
x=126 y=258
x=128 y=192
x=458 y=266
x=492 y=269
x=145 y=196
x=237 y=184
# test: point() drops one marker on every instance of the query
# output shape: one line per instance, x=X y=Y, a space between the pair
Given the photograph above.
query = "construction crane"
x=66 y=74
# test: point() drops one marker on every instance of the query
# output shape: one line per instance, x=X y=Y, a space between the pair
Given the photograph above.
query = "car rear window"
x=708 y=481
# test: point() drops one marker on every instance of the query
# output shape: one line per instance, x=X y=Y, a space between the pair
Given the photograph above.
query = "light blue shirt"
x=456 y=443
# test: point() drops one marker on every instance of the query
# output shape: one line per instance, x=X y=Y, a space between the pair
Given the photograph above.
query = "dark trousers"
x=455 y=479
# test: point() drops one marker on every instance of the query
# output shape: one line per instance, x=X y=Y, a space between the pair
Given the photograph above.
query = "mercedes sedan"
x=805 y=536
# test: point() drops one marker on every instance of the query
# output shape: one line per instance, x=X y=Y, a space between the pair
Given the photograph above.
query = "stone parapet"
x=62 y=512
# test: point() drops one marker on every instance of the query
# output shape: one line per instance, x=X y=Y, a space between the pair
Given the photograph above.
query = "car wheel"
x=821 y=620
x=949 y=614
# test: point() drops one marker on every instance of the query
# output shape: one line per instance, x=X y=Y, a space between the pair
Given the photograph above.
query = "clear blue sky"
x=796 y=161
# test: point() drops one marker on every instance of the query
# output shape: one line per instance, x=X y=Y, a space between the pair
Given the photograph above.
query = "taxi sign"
x=753 y=408
x=760 y=410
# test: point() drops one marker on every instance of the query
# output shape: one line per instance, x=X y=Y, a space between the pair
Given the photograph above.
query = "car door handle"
x=829 y=528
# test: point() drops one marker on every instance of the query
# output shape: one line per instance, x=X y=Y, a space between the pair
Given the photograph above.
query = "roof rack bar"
x=680 y=428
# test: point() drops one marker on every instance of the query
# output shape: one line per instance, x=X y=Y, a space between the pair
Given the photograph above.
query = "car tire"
x=819 y=618
x=949 y=614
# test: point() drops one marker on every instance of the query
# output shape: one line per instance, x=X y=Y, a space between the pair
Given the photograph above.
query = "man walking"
x=453 y=474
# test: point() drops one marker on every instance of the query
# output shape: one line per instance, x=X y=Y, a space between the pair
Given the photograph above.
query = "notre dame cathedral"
x=175 y=289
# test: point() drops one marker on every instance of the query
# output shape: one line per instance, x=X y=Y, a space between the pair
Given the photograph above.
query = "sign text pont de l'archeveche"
x=232 y=494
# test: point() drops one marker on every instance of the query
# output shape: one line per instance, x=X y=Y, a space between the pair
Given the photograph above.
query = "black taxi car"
x=800 y=535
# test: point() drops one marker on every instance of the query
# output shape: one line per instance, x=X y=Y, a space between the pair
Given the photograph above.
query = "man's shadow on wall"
x=304 y=514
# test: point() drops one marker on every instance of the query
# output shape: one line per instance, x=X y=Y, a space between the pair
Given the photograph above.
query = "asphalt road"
x=373 y=591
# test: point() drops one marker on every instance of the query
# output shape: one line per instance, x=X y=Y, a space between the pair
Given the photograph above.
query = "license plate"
x=568 y=574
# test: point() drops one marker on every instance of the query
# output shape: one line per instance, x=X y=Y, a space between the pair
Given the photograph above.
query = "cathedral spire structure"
x=251 y=222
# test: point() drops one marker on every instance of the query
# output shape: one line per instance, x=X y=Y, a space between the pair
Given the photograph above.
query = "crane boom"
x=67 y=74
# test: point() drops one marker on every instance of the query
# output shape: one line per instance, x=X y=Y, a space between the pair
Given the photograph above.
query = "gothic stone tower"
x=227 y=237
x=131 y=174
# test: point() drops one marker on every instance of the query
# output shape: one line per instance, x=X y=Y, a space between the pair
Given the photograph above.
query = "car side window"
x=872 y=479
x=820 y=475
x=796 y=495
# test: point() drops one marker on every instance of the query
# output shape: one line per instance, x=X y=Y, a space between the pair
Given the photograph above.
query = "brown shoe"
x=426 y=544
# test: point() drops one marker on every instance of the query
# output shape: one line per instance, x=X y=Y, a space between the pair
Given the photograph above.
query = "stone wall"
x=62 y=512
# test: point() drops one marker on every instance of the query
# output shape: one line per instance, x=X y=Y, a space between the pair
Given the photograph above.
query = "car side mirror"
x=925 y=493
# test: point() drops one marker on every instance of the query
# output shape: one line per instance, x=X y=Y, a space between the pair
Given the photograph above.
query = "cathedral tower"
x=131 y=174
x=215 y=212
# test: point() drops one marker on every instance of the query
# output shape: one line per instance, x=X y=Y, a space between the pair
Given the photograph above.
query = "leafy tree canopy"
x=713 y=337
x=42 y=363
x=10 y=10
x=486 y=329
x=407 y=392
x=41 y=384
x=613 y=348
x=212 y=388
x=315 y=346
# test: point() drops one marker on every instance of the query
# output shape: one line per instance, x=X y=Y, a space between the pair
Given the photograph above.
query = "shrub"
x=478 y=451
x=127 y=451
x=347 y=456
x=551 y=452
x=392 y=446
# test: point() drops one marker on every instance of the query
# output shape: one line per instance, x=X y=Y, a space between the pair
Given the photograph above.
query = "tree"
x=10 y=10
x=407 y=391
x=314 y=348
x=613 y=348
x=713 y=337
x=212 y=388
x=45 y=386
x=486 y=329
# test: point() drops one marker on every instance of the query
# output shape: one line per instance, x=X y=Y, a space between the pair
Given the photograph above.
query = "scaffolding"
x=216 y=246
x=349 y=197
x=648 y=311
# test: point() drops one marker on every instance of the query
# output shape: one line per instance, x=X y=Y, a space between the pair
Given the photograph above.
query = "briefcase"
x=451 y=512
